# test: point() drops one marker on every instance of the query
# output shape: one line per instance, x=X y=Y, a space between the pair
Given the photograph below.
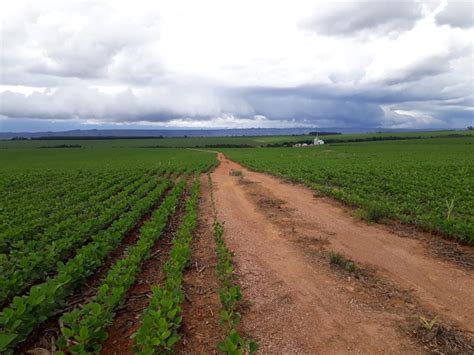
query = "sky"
x=236 y=64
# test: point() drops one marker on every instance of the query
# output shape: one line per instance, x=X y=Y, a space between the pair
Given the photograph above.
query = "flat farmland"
x=220 y=142
x=119 y=248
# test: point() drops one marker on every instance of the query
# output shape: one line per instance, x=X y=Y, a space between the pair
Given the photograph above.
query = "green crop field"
x=428 y=183
x=17 y=160
x=154 y=142
x=64 y=213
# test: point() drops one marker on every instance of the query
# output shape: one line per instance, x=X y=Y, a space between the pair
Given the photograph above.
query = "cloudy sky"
x=228 y=64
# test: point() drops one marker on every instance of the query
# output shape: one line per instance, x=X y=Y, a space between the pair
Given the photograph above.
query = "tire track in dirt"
x=295 y=308
x=301 y=306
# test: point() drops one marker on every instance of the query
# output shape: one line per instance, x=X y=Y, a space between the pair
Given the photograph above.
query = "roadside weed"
x=340 y=260
x=427 y=323
x=450 y=206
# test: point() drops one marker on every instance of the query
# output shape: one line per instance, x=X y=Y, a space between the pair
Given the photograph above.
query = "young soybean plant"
x=159 y=330
x=42 y=301
x=229 y=295
x=84 y=329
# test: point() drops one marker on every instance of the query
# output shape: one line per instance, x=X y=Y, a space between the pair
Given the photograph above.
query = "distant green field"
x=254 y=141
x=426 y=182
x=155 y=142
x=13 y=161
x=412 y=135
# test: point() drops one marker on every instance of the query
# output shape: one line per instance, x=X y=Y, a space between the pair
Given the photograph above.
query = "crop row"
x=78 y=204
x=80 y=212
x=19 y=188
x=40 y=257
x=84 y=329
x=50 y=196
x=162 y=318
x=43 y=300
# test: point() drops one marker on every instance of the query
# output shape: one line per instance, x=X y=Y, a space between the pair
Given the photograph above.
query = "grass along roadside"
x=42 y=301
x=341 y=261
x=229 y=293
x=84 y=329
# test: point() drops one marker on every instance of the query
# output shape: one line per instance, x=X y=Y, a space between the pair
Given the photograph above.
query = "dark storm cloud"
x=151 y=104
x=320 y=111
x=457 y=14
x=363 y=107
x=320 y=105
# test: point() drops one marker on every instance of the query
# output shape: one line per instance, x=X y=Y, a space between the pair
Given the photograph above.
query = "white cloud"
x=426 y=50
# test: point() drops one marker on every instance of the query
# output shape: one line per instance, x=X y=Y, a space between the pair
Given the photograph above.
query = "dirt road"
x=299 y=303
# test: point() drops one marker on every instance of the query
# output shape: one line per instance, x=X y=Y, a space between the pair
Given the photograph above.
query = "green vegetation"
x=427 y=323
x=83 y=328
x=234 y=172
x=229 y=295
x=428 y=182
x=218 y=142
x=342 y=261
x=208 y=142
x=28 y=261
x=43 y=300
x=96 y=159
x=62 y=213
x=66 y=209
x=229 y=292
x=159 y=330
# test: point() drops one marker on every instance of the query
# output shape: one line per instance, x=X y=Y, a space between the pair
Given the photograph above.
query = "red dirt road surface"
x=299 y=303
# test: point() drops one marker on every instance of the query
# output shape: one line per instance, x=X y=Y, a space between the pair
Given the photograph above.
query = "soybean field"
x=427 y=183
x=116 y=247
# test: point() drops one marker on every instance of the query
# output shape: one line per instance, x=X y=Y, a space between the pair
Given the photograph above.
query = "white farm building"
x=316 y=141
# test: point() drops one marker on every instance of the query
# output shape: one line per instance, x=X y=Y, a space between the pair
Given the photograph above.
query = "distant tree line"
x=61 y=146
x=223 y=145
x=65 y=138
x=324 y=133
